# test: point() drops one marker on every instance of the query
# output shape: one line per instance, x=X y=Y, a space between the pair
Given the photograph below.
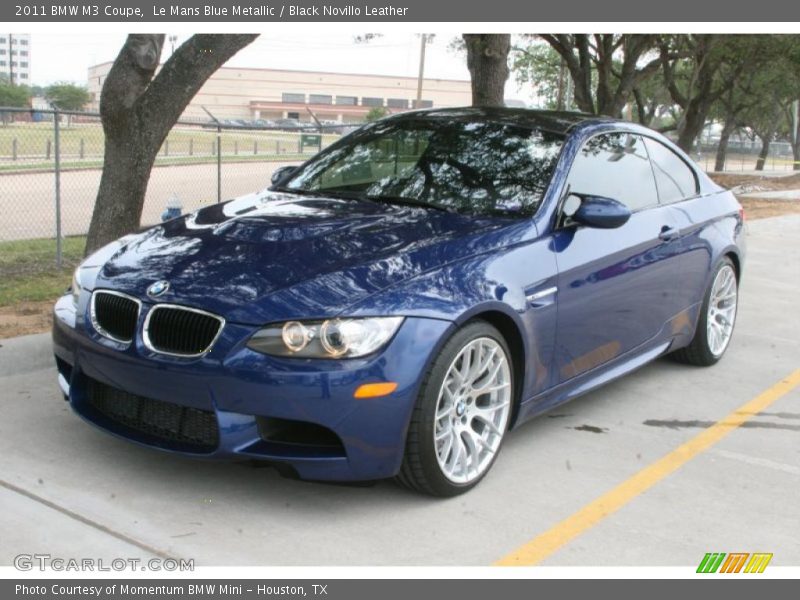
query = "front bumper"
x=243 y=388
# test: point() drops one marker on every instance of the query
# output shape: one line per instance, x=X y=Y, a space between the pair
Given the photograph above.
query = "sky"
x=67 y=57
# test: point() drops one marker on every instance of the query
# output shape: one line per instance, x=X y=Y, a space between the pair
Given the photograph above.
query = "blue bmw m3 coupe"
x=397 y=304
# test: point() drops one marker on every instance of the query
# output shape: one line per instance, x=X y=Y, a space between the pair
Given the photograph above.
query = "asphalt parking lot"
x=70 y=490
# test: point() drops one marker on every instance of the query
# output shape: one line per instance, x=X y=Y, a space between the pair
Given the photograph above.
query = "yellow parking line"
x=551 y=540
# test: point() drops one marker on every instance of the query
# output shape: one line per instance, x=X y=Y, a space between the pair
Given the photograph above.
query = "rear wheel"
x=716 y=321
x=462 y=413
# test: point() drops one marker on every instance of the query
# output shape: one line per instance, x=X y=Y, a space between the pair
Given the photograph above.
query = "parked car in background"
x=288 y=124
x=398 y=303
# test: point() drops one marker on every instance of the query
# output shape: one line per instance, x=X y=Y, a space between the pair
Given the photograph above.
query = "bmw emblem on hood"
x=157 y=288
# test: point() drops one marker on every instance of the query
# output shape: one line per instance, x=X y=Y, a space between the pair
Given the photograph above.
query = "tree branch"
x=185 y=73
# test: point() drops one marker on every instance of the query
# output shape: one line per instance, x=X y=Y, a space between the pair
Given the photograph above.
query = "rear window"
x=674 y=178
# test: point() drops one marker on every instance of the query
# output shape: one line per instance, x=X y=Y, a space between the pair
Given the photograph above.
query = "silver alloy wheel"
x=721 y=310
x=472 y=410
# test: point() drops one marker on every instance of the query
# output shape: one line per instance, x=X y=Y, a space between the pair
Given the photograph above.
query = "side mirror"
x=282 y=173
x=600 y=212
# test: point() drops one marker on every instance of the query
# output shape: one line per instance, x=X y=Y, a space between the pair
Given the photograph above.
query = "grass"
x=28 y=271
x=161 y=161
x=182 y=145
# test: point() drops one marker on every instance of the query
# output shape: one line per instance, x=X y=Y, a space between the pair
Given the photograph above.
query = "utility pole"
x=423 y=44
x=10 y=60
x=172 y=40
x=57 y=173
x=219 y=153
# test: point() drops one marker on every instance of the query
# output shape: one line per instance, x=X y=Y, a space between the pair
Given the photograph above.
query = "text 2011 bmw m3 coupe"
x=398 y=303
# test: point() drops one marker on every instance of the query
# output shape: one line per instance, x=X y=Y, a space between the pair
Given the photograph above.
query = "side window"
x=674 y=179
x=615 y=165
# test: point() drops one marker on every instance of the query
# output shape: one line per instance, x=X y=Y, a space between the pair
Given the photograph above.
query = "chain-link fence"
x=51 y=162
x=742 y=155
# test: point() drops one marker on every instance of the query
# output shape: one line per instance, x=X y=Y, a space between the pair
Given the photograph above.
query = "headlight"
x=333 y=338
x=76 y=288
x=92 y=264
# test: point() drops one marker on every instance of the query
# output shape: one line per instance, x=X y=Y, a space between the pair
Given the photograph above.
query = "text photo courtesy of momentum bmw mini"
x=396 y=305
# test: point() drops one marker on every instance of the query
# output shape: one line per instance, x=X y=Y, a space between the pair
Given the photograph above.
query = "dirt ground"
x=35 y=317
x=25 y=318
x=746 y=184
x=761 y=208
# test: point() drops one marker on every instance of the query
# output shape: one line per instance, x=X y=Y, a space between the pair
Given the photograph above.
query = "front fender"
x=495 y=283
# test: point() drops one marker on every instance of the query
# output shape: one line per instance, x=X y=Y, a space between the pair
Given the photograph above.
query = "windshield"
x=465 y=166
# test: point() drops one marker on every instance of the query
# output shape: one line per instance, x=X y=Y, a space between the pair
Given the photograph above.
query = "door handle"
x=668 y=233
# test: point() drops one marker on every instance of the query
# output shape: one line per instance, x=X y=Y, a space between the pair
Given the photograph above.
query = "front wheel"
x=716 y=321
x=462 y=413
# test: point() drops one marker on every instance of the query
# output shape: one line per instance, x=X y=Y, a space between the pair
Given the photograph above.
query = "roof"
x=548 y=120
x=412 y=78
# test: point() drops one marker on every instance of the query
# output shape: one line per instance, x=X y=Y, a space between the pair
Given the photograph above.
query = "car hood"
x=271 y=256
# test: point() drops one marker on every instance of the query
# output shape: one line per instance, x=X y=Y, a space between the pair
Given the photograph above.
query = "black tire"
x=698 y=351
x=420 y=470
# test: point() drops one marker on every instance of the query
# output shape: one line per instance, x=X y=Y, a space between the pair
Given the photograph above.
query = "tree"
x=767 y=78
x=12 y=96
x=792 y=57
x=542 y=67
x=16 y=96
x=652 y=104
x=138 y=108
x=698 y=70
x=67 y=96
x=765 y=122
x=794 y=136
x=605 y=68
x=487 y=61
x=375 y=113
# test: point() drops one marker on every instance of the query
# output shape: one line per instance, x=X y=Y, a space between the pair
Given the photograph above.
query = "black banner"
x=474 y=11
x=389 y=589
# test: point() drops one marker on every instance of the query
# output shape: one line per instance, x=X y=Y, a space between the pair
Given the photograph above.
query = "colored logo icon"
x=735 y=562
x=157 y=288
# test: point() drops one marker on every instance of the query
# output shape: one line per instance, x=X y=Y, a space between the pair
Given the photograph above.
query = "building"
x=15 y=57
x=249 y=94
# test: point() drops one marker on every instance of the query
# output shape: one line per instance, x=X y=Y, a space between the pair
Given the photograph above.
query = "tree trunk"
x=694 y=119
x=138 y=110
x=793 y=117
x=645 y=112
x=562 y=84
x=487 y=61
x=127 y=163
x=722 y=149
x=762 y=156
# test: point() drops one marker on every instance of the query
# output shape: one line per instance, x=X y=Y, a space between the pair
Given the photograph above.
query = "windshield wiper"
x=283 y=188
x=319 y=193
x=405 y=200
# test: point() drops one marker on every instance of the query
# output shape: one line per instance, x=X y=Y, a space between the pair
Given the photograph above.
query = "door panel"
x=616 y=289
